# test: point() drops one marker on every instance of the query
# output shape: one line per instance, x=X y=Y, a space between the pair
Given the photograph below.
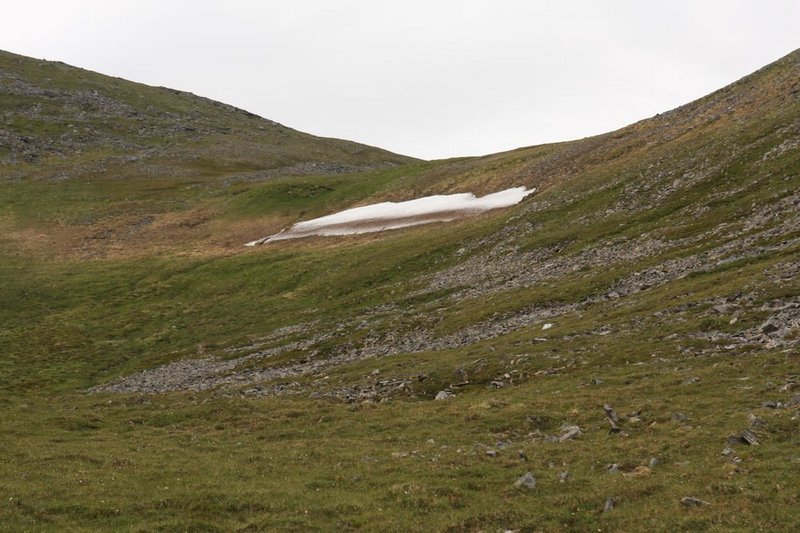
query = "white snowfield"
x=392 y=215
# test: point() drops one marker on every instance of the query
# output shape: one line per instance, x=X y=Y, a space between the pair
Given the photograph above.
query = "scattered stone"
x=613 y=468
x=768 y=327
x=563 y=476
x=750 y=438
x=548 y=325
x=612 y=418
x=635 y=417
x=679 y=417
x=638 y=472
x=527 y=481
x=653 y=462
x=610 y=503
x=691 y=501
x=745 y=437
x=443 y=395
x=491 y=453
x=727 y=451
x=691 y=381
x=522 y=456
x=755 y=421
x=794 y=402
x=596 y=381
x=725 y=308
x=569 y=433
x=610 y=413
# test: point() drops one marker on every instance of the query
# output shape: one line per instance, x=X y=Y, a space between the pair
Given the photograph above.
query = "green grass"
x=199 y=461
x=224 y=461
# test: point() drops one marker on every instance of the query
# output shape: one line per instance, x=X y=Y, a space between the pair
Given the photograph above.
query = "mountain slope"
x=57 y=117
x=619 y=214
x=92 y=165
x=648 y=294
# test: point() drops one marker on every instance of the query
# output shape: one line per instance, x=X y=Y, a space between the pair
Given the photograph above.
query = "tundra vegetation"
x=619 y=351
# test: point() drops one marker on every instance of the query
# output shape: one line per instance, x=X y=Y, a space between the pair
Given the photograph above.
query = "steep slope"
x=694 y=191
x=92 y=165
x=64 y=122
x=754 y=110
x=647 y=295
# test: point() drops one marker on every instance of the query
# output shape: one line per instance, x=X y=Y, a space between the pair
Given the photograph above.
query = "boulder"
x=526 y=481
x=443 y=395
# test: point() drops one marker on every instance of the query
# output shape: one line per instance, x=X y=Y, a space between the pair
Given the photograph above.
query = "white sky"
x=428 y=78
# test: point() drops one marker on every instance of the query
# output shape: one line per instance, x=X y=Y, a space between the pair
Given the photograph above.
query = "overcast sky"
x=427 y=78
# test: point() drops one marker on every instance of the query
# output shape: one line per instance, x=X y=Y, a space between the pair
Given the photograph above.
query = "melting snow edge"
x=392 y=215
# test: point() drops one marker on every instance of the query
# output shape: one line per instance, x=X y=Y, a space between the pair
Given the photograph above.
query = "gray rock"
x=745 y=437
x=725 y=308
x=755 y=421
x=610 y=413
x=679 y=417
x=768 y=327
x=612 y=418
x=563 y=476
x=443 y=395
x=569 y=433
x=691 y=501
x=749 y=437
x=491 y=453
x=526 y=481
x=610 y=503
x=635 y=417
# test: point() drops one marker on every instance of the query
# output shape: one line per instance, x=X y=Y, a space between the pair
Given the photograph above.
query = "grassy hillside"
x=87 y=158
x=158 y=376
x=67 y=122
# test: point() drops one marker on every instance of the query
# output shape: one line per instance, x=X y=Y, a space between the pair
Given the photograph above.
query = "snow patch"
x=392 y=215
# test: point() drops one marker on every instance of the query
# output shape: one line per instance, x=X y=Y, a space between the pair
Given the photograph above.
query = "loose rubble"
x=526 y=481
